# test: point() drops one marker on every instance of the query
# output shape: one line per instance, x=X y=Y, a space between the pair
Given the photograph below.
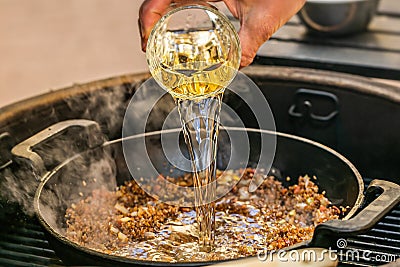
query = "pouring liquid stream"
x=194 y=53
x=194 y=70
x=200 y=119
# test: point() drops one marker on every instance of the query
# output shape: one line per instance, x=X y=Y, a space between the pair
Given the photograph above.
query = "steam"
x=16 y=189
x=106 y=107
x=77 y=179
x=76 y=176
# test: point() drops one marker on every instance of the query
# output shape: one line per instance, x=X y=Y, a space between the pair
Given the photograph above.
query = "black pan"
x=61 y=180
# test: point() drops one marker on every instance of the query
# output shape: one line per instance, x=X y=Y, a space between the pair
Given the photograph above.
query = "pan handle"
x=85 y=131
x=364 y=220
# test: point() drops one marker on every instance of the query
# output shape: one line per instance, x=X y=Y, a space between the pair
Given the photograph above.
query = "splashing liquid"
x=195 y=64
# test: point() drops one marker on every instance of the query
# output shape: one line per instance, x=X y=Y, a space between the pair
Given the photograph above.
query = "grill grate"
x=22 y=243
x=379 y=246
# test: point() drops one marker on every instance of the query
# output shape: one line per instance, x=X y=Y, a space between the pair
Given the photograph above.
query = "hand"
x=259 y=19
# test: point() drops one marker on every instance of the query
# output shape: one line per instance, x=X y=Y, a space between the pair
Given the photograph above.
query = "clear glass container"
x=193 y=51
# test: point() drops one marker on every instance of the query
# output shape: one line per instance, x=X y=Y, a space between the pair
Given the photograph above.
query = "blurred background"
x=47 y=44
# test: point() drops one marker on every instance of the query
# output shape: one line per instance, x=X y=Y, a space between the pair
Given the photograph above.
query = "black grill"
x=376 y=247
x=23 y=243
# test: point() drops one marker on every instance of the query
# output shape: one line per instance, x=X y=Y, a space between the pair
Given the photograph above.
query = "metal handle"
x=88 y=132
x=305 y=110
x=365 y=219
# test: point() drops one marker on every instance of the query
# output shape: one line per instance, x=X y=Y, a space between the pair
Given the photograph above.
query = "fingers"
x=252 y=36
x=259 y=21
x=256 y=24
x=150 y=12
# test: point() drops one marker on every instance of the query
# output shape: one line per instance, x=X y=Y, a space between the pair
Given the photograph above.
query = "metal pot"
x=61 y=181
x=337 y=17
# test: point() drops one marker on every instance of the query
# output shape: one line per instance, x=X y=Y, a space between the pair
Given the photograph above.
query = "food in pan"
x=129 y=223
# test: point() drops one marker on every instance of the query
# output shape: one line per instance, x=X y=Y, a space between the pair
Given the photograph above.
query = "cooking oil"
x=195 y=63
